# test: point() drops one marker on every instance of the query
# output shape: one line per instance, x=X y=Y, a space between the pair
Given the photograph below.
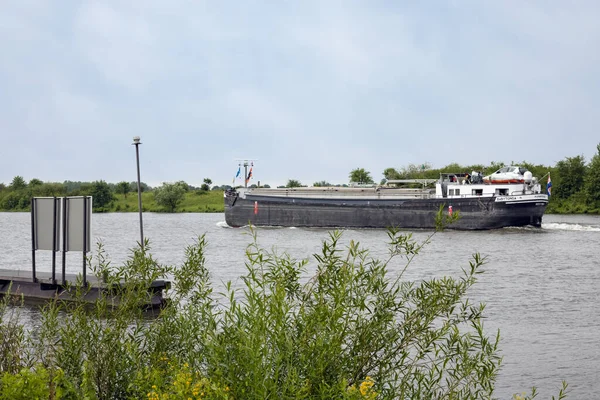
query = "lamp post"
x=136 y=143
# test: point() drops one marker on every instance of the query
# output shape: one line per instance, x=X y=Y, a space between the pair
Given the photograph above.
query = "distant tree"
x=143 y=187
x=18 y=183
x=267 y=186
x=2 y=186
x=123 y=188
x=592 y=179
x=85 y=189
x=35 y=182
x=571 y=172
x=292 y=183
x=186 y=187
x=169 y=195
x=453 y=167
x=206 y=185
x=391 y=173
x=222 y=187
x=48 y=189
x=71 y=186
x=11 y=201
x=101 y=193
x=360 y=175
x=493 y=167
x=322 y=184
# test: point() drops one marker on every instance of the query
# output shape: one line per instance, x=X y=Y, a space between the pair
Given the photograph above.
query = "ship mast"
x=245 y=162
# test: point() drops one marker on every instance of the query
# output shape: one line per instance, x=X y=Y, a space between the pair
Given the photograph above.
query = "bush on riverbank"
x=354 y=330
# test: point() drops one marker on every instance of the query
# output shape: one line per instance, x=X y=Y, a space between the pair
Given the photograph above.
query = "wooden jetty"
x=20 y=283
x=65 y=224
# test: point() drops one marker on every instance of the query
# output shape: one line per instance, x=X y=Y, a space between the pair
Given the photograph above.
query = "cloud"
x=311 y=89
x=118 y=43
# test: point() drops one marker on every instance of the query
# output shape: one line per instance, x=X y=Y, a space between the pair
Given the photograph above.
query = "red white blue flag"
x=549 y=185
x=249 y=175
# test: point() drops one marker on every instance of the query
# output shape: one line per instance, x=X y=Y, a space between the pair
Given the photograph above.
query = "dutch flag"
x=549 y=185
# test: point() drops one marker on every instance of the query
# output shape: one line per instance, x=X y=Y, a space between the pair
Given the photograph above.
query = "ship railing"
x=341 y=193
x=465 y=196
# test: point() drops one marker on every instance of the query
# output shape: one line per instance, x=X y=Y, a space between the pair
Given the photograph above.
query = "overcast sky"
x=311 y=89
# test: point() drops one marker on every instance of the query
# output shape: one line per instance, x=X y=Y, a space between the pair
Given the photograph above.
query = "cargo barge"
x=480 y=204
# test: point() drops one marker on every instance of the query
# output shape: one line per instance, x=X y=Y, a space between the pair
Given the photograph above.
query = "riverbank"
x=193 y=201
x=569 y=206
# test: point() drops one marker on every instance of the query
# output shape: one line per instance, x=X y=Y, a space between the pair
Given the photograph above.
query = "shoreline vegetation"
x=575 y=188
x=355 y=330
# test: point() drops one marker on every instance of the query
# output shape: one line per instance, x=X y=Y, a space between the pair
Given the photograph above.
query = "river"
x=541 y=286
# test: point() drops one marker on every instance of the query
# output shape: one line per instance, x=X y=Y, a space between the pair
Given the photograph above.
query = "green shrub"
x=354 y=330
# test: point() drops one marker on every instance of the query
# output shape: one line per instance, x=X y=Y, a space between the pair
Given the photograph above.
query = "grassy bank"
x=194 y=201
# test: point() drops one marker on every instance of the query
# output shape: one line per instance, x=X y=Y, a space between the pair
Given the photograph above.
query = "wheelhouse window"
x=451 y=192
x=457 y=192
x=477 y=192
x=502 y=192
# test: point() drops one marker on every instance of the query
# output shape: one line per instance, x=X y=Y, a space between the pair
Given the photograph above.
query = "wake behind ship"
x=483 y=203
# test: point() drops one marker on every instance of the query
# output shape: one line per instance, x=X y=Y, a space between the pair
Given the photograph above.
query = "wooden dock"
x=21 y=283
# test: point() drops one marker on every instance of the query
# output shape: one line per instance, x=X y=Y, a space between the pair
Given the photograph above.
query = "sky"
x=309 y=89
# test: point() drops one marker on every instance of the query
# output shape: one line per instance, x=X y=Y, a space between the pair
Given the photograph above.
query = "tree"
x=123 y=188
x=493 y=167
x=143 y=187
x=592 y=179
x=101 y=193
x=361 y=176
x=18 y=183
x=184 y=185
x=292 y=183
x=391 y=173
x=206 y=185
x=169 y=195
x=35 y=182
x=321 y=184
x=48 y=189
x=571 y=172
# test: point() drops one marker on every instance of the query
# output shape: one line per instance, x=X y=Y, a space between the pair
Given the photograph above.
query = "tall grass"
x=353 y=330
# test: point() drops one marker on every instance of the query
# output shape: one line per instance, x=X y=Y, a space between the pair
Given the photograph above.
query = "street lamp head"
x=136 y=140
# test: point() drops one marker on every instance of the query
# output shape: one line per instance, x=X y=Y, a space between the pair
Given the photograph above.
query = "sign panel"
x=76 y=221
x=46 y=223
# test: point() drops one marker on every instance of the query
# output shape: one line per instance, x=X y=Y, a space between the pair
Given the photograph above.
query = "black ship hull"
x=476 y=213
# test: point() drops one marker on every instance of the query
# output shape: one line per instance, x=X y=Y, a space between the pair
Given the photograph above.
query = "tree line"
x=575 y=185
x=16 y=196
x=575 y=182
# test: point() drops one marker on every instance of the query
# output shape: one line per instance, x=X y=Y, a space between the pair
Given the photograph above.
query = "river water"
x=541 y=286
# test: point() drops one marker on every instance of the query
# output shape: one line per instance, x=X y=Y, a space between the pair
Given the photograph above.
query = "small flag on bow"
x=249 y=175
x=239 y=171
x=549 y=185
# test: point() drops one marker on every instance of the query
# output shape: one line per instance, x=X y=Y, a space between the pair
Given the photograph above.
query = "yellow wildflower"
x=366 y=385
